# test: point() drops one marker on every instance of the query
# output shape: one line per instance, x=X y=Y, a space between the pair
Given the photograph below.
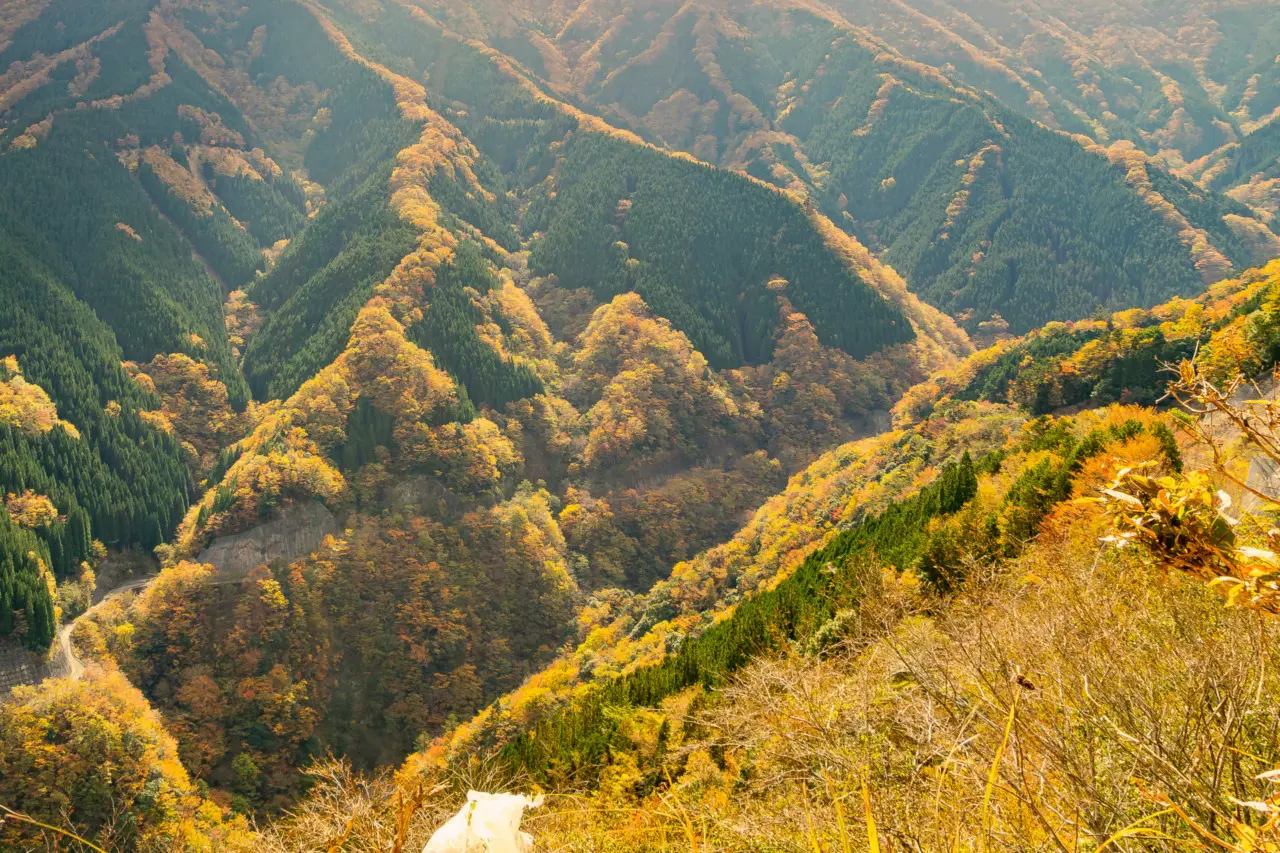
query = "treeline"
x=25 y=603
x=311 y=296
x=1098 y=364
x=92 y=275
x=120 y=480
x=1032 y=376
x=448 y=330
x=64 y=24
x=272 y=209
x=365 y=131
x=128 y=475
x=700 y=245
x=927 y=533
x=576 y=742
x=982 y=210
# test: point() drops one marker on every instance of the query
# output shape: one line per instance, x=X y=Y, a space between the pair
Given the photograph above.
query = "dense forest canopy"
x=494 y=388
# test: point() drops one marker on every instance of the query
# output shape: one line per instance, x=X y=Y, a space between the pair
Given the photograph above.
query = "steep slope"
x=525 y=372
x=1190 y=84
x=983 y=211
x=133 y=197
x=901 y=684
x=554 y=362
x=948 y=597
x=1195 y=85
x=879 y=596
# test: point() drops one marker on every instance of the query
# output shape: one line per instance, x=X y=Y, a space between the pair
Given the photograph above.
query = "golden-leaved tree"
x=93 y=758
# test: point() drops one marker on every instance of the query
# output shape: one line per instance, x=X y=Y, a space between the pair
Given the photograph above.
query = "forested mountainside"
x=572 y=363
x=474 y=372
x=946 y=592
x=890 y=495
x=1192 y=84
x=934 y=591
x=985 y=207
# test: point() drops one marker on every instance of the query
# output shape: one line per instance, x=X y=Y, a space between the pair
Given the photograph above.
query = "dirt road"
x=73 y=666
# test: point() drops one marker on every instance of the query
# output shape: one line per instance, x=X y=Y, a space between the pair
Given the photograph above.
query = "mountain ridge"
x=559 y=329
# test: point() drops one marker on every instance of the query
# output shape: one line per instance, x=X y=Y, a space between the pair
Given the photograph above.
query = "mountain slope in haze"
x=1194 y=83
x=1191 y=83
x=982 y=209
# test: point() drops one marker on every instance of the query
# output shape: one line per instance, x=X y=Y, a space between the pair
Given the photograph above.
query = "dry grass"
x=1056 y=705
x=1071 y=700
x=354 y=813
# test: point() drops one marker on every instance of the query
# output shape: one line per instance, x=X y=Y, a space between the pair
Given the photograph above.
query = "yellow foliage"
x=241 y=319
x=57 y=741
x=285 y=457
x=839 y=487
x=648 y=389
x=31 y=509
x=1209 y=261
x=1230 y=348
x=195 y=406
x=24 y=405
x=529 y=339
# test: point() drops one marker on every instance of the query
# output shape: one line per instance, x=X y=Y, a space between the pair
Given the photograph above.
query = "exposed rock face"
x=297 y=532
x=18 y=667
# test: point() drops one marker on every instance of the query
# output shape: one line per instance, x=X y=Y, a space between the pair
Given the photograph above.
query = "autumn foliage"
x=56 y=743
x=26 y=406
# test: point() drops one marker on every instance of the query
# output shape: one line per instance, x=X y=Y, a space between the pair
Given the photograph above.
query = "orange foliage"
x=212 y=130
x=57 y=741
x=173 y=175
x=425 y=619
x=1229 y=348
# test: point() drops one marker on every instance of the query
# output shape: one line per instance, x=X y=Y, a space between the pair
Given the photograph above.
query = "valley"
x=681 y=409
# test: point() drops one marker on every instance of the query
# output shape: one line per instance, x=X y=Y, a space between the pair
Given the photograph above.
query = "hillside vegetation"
x=427 y=402
x=994 y=205
x=597 y=387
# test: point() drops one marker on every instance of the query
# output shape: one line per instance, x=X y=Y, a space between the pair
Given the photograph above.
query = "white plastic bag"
x=488 y=823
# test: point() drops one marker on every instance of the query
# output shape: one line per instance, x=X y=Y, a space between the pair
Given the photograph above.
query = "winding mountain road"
x=17 y=667
x=74 y=667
